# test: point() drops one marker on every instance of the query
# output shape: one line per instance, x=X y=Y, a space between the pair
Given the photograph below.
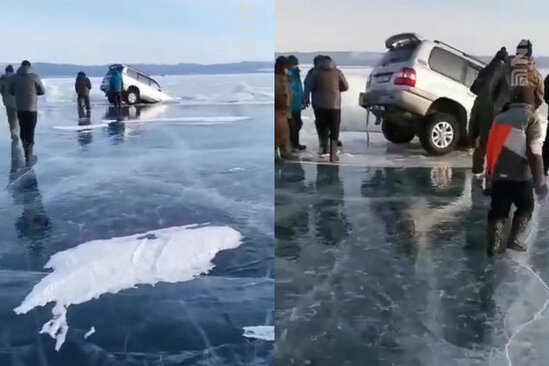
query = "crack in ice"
x=537 y=315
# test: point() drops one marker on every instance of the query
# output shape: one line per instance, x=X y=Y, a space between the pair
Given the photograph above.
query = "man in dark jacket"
x=326 y=83
x=82 y=86
x=26 y=87
x=514 y=168
x=9 y=102
x=482 y=113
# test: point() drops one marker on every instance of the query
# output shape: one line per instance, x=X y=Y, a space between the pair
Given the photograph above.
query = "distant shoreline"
x=52 y=70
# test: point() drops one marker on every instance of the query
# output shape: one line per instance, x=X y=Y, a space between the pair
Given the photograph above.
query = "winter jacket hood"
x=326 y=64
x=26 y=87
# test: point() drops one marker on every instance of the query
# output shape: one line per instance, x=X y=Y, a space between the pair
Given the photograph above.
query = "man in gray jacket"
x=26 y=86
x=325 y=83
x=9 y=102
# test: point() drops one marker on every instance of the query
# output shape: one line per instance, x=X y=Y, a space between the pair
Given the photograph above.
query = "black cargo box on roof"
x=402 y=38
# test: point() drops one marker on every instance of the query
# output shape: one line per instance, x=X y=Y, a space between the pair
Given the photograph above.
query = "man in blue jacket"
x=296 y=123
x=116 y=87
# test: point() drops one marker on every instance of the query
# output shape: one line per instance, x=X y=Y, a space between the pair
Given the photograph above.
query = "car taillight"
x=406 y=76
x=369 y=82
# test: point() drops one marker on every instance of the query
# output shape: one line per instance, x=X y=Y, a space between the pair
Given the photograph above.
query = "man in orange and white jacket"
x=514 y=169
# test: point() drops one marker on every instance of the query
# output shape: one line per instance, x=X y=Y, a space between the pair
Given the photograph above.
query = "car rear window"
x=398 y=54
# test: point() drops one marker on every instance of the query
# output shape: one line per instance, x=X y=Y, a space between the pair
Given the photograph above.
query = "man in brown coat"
x=326 y=83
x=82 y=86
x=283 y=109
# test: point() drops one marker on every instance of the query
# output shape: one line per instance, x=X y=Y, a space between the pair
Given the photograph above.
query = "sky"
x=137 y=31
x=479 y=27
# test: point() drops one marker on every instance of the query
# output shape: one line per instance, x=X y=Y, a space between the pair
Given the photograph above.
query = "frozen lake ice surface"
x=381 y=259
x=143 y=236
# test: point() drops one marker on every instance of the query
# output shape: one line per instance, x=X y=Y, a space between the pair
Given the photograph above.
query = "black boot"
x=333 y=151
x=495 y=237
x=29 y=157
x=324 y=143
x=517 y=237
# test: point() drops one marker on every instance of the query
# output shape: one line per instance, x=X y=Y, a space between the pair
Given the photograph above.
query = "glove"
x=542 y=191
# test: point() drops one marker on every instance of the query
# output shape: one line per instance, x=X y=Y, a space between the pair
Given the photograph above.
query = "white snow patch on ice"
x=89 y=332
x=80 y=127
x=263 y=332
x=97 y=267
x=186 y=119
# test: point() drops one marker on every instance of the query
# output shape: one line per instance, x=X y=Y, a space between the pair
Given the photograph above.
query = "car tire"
x=132 y=96
x=440 y=133
x=397 y=134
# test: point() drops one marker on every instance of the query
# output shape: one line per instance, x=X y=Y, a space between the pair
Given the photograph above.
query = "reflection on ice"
x=23 y=185
x=108 y=266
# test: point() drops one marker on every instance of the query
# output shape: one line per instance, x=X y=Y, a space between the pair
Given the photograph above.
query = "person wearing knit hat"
x=513 y=163
x=519 y=70
x=524 y=48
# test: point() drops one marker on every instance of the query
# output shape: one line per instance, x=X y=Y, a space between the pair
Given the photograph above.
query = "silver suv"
x=421 y=88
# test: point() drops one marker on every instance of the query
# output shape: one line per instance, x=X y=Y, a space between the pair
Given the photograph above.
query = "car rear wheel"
x=132 y=96
x=440 y=133
x=396 y=133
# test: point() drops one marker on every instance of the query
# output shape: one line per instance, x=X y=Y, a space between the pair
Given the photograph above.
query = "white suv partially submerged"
x=421 y=88
x=138 y=87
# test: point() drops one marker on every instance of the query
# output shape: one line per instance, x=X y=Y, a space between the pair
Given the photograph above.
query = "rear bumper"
x=409 y=101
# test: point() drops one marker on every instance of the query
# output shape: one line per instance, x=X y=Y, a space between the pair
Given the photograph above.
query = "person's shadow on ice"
x=33 y=224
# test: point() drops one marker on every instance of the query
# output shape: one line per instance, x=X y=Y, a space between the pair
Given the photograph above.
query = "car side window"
x=447 y=64
x=471 y=73
x=154 y=84
x=131 y=73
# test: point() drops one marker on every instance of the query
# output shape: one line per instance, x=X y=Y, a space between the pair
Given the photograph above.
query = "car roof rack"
x=460 y=51
x=412 y=38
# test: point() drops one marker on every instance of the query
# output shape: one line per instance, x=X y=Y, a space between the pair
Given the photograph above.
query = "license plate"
x=383 y=78
x=377 y=108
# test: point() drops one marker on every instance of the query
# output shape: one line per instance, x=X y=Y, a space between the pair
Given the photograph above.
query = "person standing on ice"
x=519 y=70
x=326 y=83
x=9 y=102
x=514 y=169
x=482 y=113
x=283 y=109
x=116 y=87
x=82 y=85
x=26 y=87
x=297 y=95
x=546 y=142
